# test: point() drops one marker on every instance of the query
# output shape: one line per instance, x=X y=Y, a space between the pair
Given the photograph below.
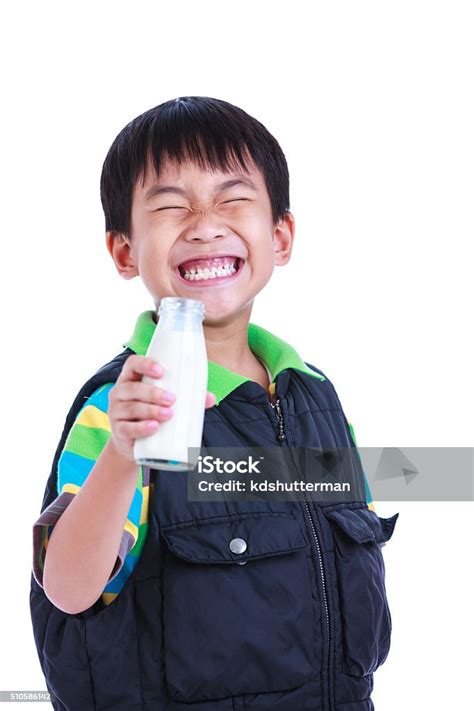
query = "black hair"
x=210 y=132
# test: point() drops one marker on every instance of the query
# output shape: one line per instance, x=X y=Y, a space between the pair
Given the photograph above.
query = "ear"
x=284 y=234
x=120 y=248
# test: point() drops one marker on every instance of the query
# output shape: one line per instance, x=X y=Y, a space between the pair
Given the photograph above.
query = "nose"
x=205 y=227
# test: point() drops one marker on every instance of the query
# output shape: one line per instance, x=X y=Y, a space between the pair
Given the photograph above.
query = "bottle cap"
x=180 y=304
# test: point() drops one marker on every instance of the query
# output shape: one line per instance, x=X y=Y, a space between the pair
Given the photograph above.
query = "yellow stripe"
x=144 y=511
x=108 y=597
x=371 y=506
x=70 y=488
x=91 y=416
x=131 y=528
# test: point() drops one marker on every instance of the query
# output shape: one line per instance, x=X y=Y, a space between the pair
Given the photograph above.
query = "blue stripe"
x=135 y=509
x=100 y=398
x=116 y=585
x=73 y=469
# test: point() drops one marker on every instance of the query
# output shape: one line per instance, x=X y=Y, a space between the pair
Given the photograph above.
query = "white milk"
x=178 y=344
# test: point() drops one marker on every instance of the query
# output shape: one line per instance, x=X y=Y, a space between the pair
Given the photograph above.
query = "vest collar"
x=276 y=354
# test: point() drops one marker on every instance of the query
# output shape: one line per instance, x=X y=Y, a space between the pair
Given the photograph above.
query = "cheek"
x=263 y=264
x=256 y=220
x=154 y=260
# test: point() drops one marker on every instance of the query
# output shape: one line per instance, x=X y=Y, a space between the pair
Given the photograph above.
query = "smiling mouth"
x=213 y=271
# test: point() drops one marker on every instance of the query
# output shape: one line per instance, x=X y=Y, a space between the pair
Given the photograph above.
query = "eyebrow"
x=160 y=189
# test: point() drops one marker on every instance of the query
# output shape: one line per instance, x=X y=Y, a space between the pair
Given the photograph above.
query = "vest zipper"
x=281 y=437
x=281 y=431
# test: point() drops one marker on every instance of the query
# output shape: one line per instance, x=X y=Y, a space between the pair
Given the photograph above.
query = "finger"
x=124 y=430
x=145 y=392
x=133 y=410
x=136 y=366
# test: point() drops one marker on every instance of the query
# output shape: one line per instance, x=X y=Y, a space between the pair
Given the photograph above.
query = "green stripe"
x=139 y=543
x=368 y=493
x=88 y=442
x=352 y=433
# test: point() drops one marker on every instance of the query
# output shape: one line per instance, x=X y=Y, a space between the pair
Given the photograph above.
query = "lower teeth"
x=198 y=277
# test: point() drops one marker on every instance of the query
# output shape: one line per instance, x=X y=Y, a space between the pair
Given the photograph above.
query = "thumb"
x=210 y=399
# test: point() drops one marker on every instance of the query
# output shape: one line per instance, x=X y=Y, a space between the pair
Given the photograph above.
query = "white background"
x=372 y=105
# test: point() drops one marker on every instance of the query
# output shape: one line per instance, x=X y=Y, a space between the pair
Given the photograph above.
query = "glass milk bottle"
x=178 y=344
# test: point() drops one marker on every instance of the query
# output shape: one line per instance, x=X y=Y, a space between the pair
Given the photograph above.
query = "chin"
x=217 y=315
x=216 y=319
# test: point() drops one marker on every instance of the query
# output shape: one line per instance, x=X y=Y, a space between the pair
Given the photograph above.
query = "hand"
x=136 y=409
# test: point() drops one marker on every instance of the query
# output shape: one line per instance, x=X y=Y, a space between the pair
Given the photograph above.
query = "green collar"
x=275 y=353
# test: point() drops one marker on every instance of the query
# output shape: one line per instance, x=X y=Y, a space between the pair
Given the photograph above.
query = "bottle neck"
x=172 y=320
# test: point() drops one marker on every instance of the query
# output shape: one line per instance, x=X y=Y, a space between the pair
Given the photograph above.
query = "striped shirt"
x=86 y=439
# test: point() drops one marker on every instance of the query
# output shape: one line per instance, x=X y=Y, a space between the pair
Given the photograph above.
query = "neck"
x=227 y=342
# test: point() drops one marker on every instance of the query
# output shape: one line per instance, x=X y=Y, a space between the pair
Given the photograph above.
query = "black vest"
x=301 y=626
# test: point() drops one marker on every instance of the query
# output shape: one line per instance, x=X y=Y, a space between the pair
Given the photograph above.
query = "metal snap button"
x=238 y=545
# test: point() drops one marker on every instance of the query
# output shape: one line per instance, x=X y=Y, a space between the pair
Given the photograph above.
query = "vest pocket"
x=237 y=607
x=365 y=615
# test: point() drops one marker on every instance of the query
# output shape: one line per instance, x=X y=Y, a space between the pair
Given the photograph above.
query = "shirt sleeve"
x=87 y=437
x=368 y=495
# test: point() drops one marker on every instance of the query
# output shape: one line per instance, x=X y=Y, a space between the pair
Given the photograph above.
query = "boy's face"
x=198 y=217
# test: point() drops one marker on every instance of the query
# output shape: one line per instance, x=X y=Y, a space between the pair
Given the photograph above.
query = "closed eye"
x=180 y=207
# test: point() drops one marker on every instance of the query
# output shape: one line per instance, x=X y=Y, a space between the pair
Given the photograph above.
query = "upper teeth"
x=206 y=273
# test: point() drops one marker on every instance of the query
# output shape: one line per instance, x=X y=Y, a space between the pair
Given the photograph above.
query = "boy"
x=146 y=600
